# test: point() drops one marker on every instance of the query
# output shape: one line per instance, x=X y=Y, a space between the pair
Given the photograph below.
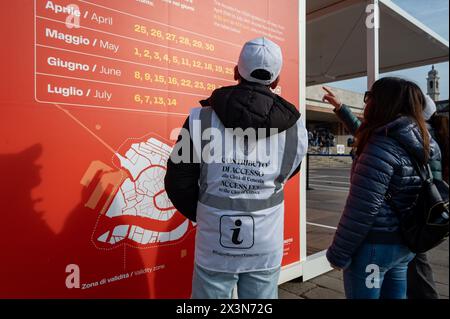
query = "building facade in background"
x=321 y=118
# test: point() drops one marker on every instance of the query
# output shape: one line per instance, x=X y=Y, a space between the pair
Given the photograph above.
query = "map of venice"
x=138 y=211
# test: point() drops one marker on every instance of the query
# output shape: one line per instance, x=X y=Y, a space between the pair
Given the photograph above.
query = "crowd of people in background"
x=323 y=139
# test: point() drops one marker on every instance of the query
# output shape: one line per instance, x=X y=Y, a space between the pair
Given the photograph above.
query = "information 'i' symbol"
x=235 y=238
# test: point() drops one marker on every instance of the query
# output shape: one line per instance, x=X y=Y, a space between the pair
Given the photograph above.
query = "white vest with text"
x=240 y=212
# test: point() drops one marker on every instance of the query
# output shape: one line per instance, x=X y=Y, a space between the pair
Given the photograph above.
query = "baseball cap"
x=260 y=54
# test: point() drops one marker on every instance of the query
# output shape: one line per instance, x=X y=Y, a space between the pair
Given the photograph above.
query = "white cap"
x=260 y=53
x=430 y=108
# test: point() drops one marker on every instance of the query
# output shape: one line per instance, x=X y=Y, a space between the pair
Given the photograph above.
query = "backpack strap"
x=424 y=172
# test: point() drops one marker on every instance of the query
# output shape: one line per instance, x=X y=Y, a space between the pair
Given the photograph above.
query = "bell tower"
x=433 y=84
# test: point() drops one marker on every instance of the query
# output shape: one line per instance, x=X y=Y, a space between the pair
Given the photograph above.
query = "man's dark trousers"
x=420 y=279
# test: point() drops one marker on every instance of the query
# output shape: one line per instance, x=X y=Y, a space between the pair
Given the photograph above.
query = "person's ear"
x=237 y=76
x=274 y=84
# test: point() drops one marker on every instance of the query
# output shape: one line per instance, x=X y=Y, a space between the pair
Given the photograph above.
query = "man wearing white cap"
x=235 y=193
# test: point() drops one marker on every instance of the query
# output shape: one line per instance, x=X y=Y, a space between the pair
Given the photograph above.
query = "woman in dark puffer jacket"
x=367 y=243
x=421 y=283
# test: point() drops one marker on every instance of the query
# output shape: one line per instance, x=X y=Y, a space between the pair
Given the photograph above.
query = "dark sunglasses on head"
x=367 y=96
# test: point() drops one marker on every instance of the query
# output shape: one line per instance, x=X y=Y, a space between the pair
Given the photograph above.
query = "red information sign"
x=90 y=92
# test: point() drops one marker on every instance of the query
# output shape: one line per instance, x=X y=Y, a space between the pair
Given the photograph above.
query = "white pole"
x=295 y=269
x=302 y=105
x=372 y=26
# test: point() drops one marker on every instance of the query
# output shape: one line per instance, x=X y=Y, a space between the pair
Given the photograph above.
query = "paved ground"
x=325 y=204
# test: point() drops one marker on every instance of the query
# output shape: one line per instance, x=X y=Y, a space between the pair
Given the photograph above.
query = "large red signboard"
x=90 y=93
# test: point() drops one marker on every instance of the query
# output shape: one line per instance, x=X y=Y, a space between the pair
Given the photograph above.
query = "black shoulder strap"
x=424 y=170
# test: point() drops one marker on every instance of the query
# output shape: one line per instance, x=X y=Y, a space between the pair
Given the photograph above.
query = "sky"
x=432 y=13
